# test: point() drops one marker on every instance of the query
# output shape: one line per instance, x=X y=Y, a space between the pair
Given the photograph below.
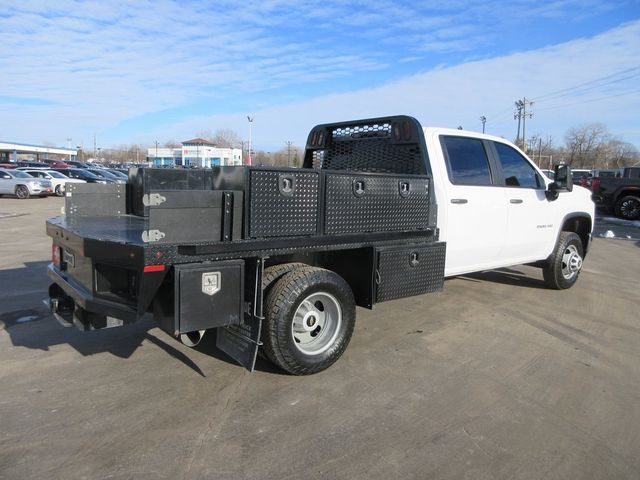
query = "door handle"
x=459 y=200
x=516 y=200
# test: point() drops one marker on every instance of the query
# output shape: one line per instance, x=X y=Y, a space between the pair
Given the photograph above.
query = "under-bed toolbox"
x=408 y=270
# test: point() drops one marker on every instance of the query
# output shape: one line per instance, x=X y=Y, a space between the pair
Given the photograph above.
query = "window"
x=517 y=171
x=467 y=161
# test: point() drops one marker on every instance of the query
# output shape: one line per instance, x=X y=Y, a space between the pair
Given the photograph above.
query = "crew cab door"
x=531 y=229
x=472 y=209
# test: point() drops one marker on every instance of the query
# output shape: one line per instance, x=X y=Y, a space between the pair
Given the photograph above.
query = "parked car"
x=28 y=163
x=548 y=173
x=581 y=176
x=119 y=173
x=81 y=174
x=619 y=194
x=77 y=164
x=8 y=165
x=106 y=175
x=23 y=185
x=57 y=179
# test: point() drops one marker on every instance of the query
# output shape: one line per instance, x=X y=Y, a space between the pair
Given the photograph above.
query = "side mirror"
x=563 y=179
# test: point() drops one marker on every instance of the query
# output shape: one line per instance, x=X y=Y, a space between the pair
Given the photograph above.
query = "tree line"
x=588 y=146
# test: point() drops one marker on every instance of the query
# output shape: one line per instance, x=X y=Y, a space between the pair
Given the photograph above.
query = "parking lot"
x=496 y=377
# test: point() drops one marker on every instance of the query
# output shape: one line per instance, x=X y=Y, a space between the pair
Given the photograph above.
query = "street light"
x=250 y=124
x=79 y=148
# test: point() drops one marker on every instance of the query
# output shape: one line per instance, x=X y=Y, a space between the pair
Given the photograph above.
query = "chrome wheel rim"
x=21 y=192
x=316 y=323
x=571 y=262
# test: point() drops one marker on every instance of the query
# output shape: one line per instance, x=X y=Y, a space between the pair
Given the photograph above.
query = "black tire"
x=22 y=192
x=286 y=299
x=274 y=273
x=58 y=191
x=628 y=207
x=269 y=278
x=565 y=263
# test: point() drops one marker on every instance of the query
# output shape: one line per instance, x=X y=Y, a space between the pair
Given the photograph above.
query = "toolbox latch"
x=153 y=199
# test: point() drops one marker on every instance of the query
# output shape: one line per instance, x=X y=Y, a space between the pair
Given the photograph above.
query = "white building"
x=197 y=152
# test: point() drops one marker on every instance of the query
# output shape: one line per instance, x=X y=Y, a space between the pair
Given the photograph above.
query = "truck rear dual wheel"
x=309 y=320
x=628 y=207
x=563 y=267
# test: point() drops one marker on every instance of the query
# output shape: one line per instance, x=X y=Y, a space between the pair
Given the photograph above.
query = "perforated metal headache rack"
x=383 y=145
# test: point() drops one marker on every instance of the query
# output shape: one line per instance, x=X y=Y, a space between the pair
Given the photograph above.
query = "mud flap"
x=241 y=342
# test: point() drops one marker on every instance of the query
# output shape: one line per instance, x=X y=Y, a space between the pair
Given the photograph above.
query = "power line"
x=590 y=82
x=553 y=107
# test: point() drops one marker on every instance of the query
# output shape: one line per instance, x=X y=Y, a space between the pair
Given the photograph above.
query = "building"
x=196 y=152
x=9 y=152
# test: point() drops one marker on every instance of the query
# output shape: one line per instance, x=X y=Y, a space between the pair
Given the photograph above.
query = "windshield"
x=19 y=174
x=55 y=174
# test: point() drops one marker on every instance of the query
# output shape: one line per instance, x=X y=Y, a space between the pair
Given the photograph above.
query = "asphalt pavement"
x=497 y=377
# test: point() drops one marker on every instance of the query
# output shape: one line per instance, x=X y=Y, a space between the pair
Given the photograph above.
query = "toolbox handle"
x=358 y=187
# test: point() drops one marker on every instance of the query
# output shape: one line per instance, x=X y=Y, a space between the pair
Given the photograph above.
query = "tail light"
x=55 y=254
x=583 y=182
x=595 y=185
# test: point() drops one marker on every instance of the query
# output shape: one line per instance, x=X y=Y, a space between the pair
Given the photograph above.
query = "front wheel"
x=309 y=320
x=22 y=192
x=628 y=207
x=563 y=267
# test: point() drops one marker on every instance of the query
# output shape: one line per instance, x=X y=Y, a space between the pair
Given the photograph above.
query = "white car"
x=57 y=179
x=23 y=185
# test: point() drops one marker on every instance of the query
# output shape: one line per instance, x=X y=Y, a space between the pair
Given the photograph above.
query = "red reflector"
x=153 y=268
x=55 y=254
x=595 y=185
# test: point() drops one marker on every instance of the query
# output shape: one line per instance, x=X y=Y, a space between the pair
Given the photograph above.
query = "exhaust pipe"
x=191 y=339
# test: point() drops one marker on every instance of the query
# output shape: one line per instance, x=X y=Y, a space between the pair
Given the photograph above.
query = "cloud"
x=109 y=66
x=459 y=95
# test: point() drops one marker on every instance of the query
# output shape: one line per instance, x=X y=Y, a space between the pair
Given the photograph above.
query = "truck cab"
x=494 y=204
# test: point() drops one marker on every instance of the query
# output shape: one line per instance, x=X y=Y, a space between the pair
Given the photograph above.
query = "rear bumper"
x=73 y=303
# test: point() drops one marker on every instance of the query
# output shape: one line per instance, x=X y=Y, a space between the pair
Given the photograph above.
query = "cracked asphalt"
x=495 y=378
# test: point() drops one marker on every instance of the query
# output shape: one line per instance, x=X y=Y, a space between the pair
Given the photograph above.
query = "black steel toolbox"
x=409 y=270
x=283 y=202
x=359 y=203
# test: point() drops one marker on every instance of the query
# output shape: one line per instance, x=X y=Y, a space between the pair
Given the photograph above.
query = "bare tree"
x=586 y=145
x=225 y=137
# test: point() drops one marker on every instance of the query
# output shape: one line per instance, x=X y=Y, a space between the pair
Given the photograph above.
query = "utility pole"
x=483 y=119
x=94 y=146
x=250 y=125
x=521 y=115
x=288 y=153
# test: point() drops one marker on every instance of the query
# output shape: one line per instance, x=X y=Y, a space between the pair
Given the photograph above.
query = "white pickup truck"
x=495 y=208
x=278 y=258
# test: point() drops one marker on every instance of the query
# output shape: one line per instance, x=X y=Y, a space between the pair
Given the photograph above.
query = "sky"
x=144 y=71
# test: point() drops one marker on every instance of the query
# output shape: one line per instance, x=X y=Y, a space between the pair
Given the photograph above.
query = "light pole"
x=250 y=124
x=156 y=159
x=79 y=148
x=99 y=148
x=483 y=119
